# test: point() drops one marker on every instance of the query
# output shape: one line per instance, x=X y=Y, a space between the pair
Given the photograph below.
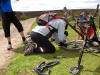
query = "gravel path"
x=6 y=55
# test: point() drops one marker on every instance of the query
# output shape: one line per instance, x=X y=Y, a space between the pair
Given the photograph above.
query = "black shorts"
x=43 y=42
x=7 y=19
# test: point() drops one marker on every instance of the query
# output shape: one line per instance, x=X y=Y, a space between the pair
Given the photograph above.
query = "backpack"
x=47 y=17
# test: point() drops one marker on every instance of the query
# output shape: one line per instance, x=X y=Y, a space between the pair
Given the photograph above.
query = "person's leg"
x=22 y=35
x=18 y=25
x=9 y=43
x=43 y=43
x=9 y=40
x=95 y=41
x=6 y=28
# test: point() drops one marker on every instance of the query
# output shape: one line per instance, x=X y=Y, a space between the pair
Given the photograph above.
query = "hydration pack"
x=47 y=17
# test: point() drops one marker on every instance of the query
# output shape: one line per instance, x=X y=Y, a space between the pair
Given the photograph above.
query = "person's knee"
x=42 y=50
x=46 y=50
x=51 y=50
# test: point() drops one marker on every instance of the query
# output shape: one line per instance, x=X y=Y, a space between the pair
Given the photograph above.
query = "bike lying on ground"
x=75 y=70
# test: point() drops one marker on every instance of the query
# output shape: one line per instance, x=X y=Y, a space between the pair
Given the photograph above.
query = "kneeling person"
x=41 y=34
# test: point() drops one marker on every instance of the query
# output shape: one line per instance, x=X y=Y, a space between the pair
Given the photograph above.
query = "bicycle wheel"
x=74 y=45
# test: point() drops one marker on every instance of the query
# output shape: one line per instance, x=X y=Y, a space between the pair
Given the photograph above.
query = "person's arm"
x=91 y=31
x=78 y=37
x=92 y=36
x=61 y=28
x=0 y=6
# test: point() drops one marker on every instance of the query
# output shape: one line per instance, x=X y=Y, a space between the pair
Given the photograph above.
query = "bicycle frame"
x=76 y=69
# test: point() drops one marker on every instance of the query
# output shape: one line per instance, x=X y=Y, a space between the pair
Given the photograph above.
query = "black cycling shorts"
x=7 y=19
x=43 y=42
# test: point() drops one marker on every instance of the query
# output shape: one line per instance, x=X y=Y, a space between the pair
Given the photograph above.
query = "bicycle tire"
x=75 y=45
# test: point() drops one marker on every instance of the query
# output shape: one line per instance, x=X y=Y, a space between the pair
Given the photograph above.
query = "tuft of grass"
x=24 y=65
x=23 y=18
x=0 y=25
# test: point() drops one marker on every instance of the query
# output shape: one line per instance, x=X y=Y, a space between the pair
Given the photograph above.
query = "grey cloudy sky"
x=41 y=5
x=82 y=4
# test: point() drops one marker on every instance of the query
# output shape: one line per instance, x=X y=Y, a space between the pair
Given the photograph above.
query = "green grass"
x=23 y=18
x=0 y=25
x=24 y=65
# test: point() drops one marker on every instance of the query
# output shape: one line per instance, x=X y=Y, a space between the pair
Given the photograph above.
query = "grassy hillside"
x=24 y=65
x=0 y=25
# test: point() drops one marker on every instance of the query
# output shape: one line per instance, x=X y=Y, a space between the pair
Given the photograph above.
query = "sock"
x=23 y=38
x=9 y=42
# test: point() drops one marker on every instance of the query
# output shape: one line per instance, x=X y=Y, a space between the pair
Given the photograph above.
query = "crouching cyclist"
x=49 y=24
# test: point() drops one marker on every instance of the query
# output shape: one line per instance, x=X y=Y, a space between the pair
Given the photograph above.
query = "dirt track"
x=6 y=55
